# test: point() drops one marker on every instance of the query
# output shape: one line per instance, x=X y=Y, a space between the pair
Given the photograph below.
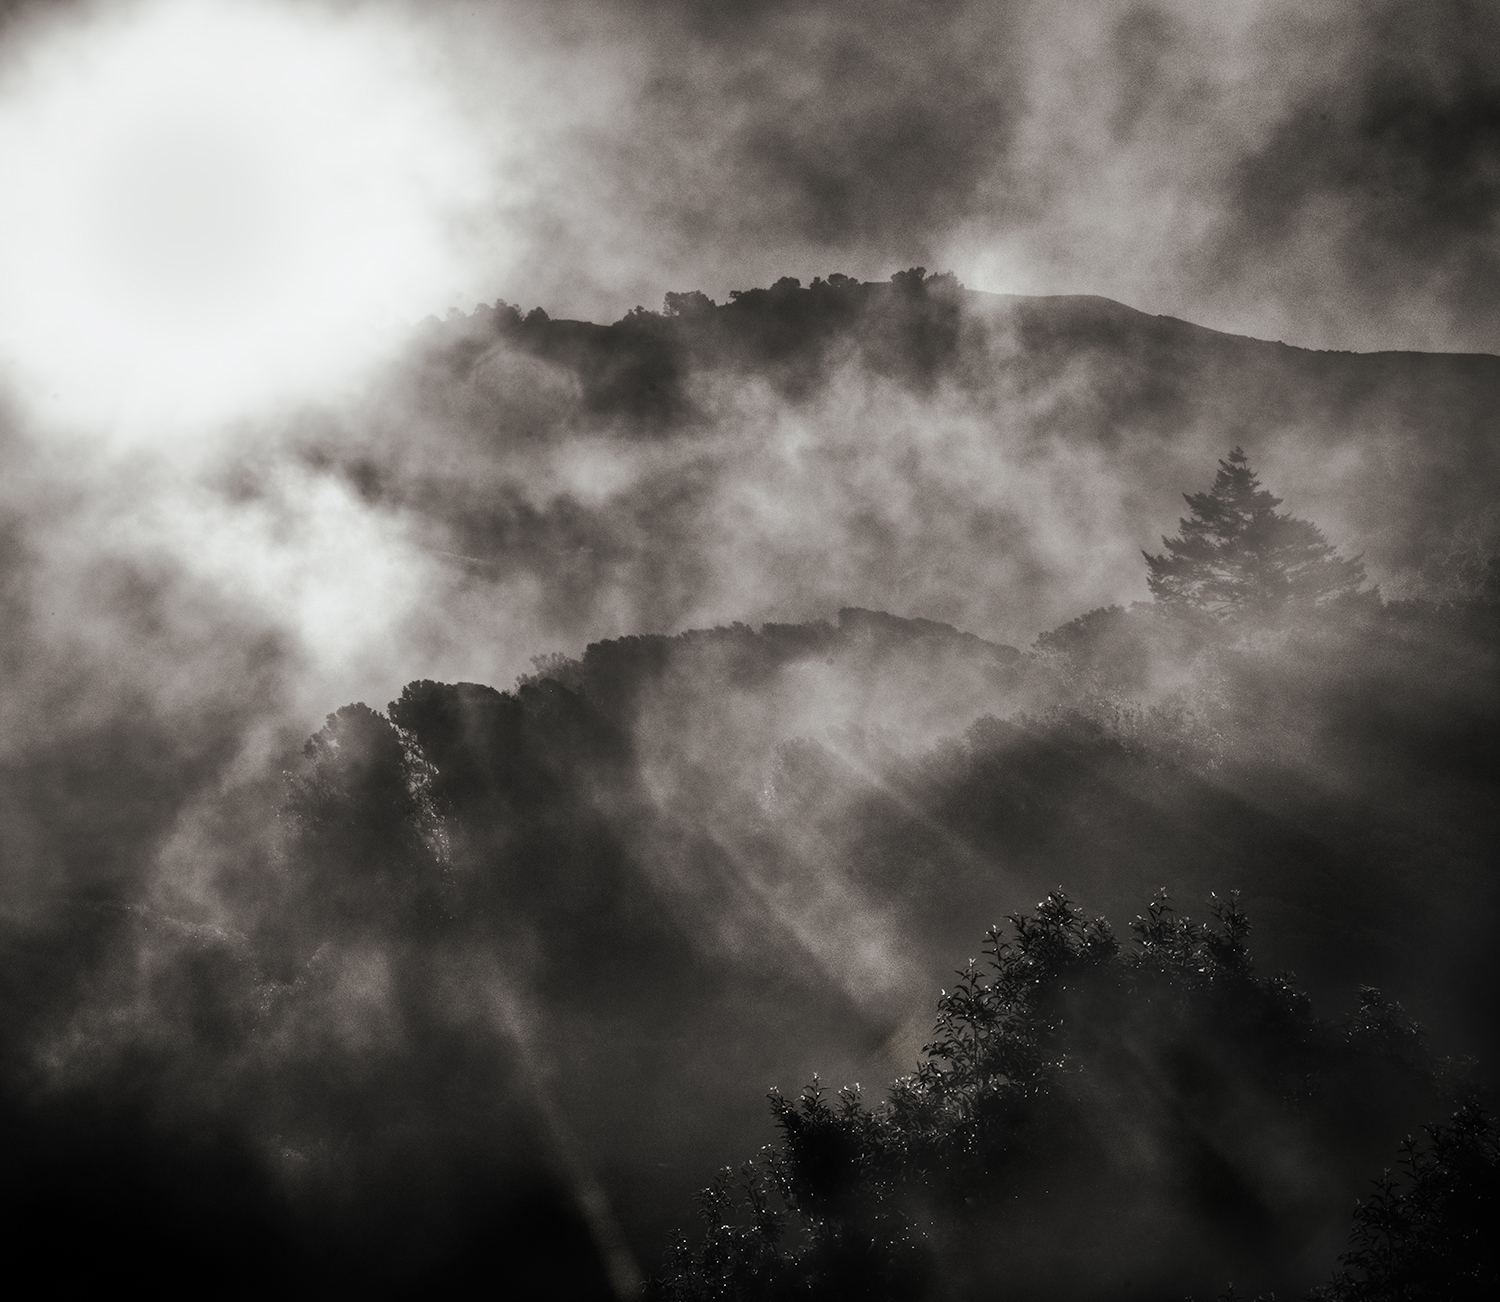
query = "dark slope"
x=925 y=331
x=709 y=870
x=543 y=949
x=1340 y=773
x=1412 y=438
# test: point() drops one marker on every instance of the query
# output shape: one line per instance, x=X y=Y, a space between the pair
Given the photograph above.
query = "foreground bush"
x=1429 y=1233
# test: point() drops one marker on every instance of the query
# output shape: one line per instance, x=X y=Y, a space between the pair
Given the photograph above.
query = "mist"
x=468 y=734
x=1268 y=169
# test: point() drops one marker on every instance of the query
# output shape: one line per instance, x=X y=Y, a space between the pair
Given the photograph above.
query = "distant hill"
x=995 y=462
x=503 y=965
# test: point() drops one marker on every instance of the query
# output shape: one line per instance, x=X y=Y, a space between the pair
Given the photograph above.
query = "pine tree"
x=1238 y=555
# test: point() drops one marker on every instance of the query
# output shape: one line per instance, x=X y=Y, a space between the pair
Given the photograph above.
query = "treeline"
x=515 y=965
x=1402 y=442
x=908 y=328
x=1093 y=1120
x=1330 y=753
x=1104 y=1120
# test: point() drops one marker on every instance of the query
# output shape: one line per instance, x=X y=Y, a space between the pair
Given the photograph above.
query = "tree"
x=692 y=302
x=1238 y=555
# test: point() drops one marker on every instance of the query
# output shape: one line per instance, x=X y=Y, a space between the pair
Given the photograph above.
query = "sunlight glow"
x=213 y=205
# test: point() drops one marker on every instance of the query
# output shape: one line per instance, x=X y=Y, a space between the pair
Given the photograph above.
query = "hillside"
x=832 y=598
x=595 y=915
x=989 y=462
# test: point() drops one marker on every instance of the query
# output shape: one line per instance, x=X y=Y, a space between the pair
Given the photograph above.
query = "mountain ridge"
x=1076 y=420
x=456 y=320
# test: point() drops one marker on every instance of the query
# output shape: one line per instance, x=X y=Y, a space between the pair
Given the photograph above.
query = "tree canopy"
x=1158 y=1107
x=1238 y=555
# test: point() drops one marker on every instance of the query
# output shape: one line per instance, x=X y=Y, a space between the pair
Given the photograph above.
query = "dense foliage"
x=1088 y=1114
x=1427 y=1234
x=1094 y=1118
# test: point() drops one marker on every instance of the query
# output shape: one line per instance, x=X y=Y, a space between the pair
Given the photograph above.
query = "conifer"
x=1237 y=555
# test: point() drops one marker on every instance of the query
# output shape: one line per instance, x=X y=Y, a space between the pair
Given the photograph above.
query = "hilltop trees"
x=1237 y=555
x=365 y=843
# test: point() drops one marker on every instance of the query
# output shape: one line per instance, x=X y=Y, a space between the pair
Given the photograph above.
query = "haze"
x=561 y=559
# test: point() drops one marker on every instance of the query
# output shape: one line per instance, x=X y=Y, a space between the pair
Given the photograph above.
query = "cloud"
x=1381 y=182
x=1168 y=154
x=1285 y=170
x=874 y=133
x=180 y=612
x=201 y=194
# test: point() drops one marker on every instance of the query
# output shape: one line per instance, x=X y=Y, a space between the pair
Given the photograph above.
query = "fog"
x=505 y=983
x=1271 y=169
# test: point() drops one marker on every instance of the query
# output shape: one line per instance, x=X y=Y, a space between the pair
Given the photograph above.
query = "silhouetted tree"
x=693 y=302
x=1238 y=555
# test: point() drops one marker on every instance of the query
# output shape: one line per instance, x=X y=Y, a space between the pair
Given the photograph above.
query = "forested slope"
x=491 y=979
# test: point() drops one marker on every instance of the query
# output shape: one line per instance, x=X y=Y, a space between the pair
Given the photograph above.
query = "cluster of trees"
x=612 y=852
x=1093 y=1118
x=908 y=327
x=1111 y=1119
x=1098 y=1120
x=1101 y=1120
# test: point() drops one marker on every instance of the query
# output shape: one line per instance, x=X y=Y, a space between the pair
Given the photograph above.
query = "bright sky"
x=211 y=206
